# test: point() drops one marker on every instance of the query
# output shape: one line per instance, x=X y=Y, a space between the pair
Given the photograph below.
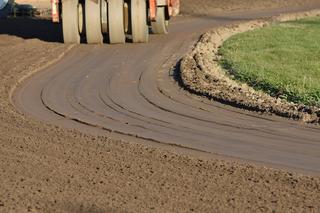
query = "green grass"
x=282 y=60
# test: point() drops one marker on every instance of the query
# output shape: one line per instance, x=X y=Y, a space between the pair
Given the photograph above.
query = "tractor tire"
x=70 y=21
x=160 y=26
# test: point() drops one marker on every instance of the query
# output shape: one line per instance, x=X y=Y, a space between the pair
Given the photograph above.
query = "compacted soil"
x=44 y=168
x=212 y=7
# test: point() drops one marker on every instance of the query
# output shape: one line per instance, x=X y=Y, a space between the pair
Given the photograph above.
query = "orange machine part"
x=153 y=9
x=55 y=11
x=175 y=7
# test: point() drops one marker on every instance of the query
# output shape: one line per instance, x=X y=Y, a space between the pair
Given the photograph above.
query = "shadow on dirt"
x=32 y=28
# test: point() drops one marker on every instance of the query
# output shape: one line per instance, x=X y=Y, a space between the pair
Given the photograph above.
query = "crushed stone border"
x=201 y=73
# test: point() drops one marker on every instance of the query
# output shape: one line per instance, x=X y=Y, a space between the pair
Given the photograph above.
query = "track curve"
x=129 y=89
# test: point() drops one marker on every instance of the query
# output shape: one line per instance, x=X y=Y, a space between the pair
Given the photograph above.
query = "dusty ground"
x=212 y=7
x=202 y=74
x=48 y=169
x=207 y=7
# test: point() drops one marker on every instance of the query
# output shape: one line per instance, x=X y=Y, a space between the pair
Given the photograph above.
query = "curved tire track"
x=128 y=89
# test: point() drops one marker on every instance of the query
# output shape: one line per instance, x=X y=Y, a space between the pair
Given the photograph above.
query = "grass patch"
x=282 y=59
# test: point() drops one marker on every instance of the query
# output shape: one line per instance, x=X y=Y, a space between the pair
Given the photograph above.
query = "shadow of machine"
x=31 y=28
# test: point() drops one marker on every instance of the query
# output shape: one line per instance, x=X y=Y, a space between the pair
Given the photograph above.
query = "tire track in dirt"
x=128 y=89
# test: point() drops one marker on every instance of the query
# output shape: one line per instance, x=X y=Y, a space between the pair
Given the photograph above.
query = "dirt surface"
x=202 y=74
x=208 y=7
x=45 y=168
x=213 y=7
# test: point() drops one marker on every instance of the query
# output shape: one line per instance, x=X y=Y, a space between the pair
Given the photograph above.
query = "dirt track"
x=127 y=89
x=211 y=7
x=47 y=168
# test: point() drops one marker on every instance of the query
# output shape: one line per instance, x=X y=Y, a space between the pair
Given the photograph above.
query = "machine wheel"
x=116 y=22
x=104 y=16
x=70 y=21
x=126 y=16
x=160 y=26
x=139 y=27
x=93 y=22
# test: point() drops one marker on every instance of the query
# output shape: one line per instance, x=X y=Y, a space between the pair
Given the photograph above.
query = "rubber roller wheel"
x=160 y=26
x=126 y=17
x=104 y=16
x=70 y=21
x=93 y=22
x=116 y=22
x=139 y=27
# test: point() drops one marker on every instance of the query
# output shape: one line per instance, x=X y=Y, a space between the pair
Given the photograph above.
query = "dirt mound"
x=201 y=74
x=211 y=7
